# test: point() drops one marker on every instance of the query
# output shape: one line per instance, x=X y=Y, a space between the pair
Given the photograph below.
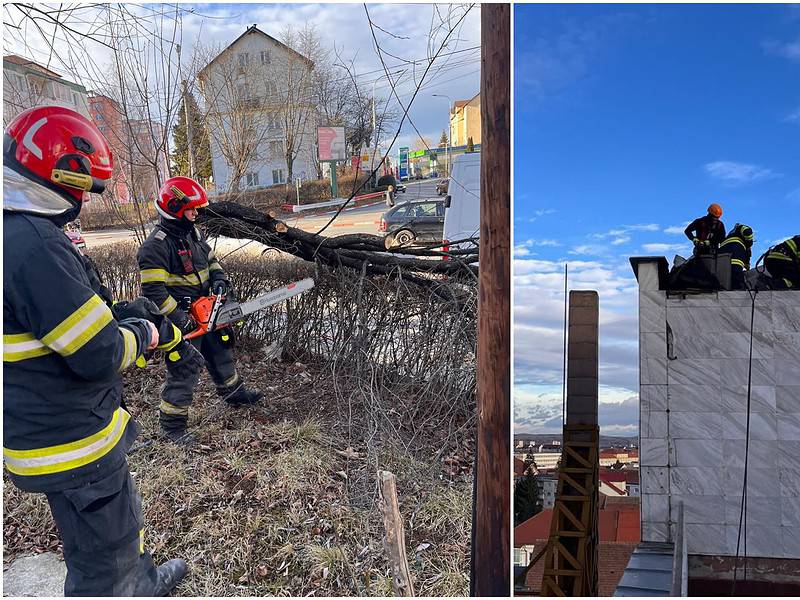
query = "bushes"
x=380 y=338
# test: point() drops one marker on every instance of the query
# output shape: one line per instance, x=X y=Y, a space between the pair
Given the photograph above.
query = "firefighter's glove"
x=140 y=308
x=169 y=336
x=221 y=287
x=186 y=324
x=184 y=360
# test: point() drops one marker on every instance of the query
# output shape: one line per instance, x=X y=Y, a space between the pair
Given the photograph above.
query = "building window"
x=277 y=176
x=99 y=117
x=252 y=179
x=275 y=149
x=244 y=58
x=265 y=57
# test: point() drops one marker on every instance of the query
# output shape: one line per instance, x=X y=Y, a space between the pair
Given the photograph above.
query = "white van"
x=462 y=215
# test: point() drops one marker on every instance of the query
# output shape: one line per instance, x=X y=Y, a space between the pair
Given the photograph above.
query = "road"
x=364 y=219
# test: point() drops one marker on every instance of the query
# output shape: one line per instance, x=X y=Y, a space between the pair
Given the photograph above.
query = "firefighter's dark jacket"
x=706 y=228
x=739 y=250
x=165 y=279
x=62 y=354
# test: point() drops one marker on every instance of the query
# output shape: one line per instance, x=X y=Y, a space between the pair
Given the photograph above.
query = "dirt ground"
x=282 y=499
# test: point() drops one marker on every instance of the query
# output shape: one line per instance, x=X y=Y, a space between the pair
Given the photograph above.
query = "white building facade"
x=258 y=96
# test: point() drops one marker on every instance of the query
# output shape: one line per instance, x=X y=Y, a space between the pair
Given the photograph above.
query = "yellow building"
x=465 y=121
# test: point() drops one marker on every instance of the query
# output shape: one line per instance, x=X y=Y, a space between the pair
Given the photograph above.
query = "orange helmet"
x=60 y=149
x=715 y=210
x=178 y=194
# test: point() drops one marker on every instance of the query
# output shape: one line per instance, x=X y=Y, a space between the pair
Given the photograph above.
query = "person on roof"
x=738 y=244
x=707 y=232
x=177 y=267
x=783 y=263
x=65 y=431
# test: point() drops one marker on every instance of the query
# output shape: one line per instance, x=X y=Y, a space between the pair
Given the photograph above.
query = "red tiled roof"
x=612 y=558
x=618 y=522
x=609 y=476
x=26 y=62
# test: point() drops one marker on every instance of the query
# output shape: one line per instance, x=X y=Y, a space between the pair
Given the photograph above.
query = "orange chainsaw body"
x=200 y=311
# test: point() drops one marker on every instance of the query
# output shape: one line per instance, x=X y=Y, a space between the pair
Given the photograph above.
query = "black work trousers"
x=784 y=272
x=103 y=533
x=176 y=395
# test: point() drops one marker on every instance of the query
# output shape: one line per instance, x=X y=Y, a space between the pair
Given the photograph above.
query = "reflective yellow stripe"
x=129 y=356
x=182 y=280
x=153 y=275
x=171 y=409
x=203 y=275
x=792 y=246
x=21 y=346
x=779 y=256
x=231 y=380
x=141 y=541
x=732 y=241
x=214 y=266
x=65 y=457
x=76 y=330
x=736 y=261
x=168 y=305
x=176 y=339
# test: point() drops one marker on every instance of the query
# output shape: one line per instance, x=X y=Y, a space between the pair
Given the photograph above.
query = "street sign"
x=332 y=144
x=403 y=163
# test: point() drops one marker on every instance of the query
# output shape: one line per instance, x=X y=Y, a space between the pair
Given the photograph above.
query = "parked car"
x=418 y=220
x=74 y=234
x=462 y=218
x=433 y=175
x=441 y=187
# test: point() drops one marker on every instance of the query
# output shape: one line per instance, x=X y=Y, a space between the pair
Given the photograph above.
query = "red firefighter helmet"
x=178 y=194
x=59 y=149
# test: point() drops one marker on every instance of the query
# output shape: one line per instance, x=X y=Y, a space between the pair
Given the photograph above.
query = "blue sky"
x=629 y=121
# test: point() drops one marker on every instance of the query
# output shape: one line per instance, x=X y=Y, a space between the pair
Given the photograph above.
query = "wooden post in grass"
x=395 y=536
x=490 y=560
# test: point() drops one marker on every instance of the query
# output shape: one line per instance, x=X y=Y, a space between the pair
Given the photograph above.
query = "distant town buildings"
x=27 y=84
x=465 y=121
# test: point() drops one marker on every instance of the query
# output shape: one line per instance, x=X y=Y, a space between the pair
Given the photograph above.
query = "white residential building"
x=257 y=93
x=27 y=84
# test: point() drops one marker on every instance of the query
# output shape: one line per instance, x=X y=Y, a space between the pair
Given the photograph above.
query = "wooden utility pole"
x=490 y=564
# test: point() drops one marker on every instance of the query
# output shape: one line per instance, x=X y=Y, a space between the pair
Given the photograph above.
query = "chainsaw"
x=213 y=312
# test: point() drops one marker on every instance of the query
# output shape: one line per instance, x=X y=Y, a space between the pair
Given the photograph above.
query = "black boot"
x=170 y=575
x=182 y=437
x=241 y=396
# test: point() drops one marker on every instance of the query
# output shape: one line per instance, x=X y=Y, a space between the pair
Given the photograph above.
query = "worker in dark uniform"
x=177 y=267
x=706 y=233
x=738 y=244
x=783 y=263
x=65 y=433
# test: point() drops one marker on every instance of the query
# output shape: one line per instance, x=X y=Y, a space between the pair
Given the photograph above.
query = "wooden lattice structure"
x=570 y=567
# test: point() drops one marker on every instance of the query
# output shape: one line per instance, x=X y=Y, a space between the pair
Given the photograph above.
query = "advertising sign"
x=402 y=163
x=332 y=144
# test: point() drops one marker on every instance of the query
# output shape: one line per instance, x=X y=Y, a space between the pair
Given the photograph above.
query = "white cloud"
x=790 y=50
x=734 y=172
x=620 y=240
x=552 y=243
x=541 y=213
x=676 y=229
x=590 y=249
x=664 y=247
x=794 y=116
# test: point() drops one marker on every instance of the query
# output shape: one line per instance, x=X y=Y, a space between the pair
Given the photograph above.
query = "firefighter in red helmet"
x=65 y=433
x=177 y=267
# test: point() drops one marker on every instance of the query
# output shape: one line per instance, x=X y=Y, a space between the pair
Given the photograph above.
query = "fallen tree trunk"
x=352 y=251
